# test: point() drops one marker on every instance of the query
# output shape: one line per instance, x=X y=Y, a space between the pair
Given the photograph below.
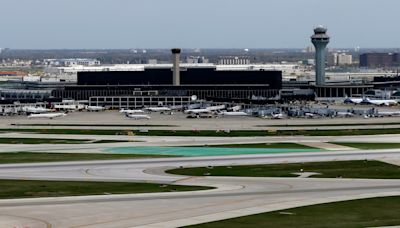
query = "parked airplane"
x=388 y=113
x=351 y=100
x=95 y=108
x=194 y=106
x=309 y=115
x=71 y=107
x=197 y=111
x=216 y=108
x=138 y=117
x=128 y=111
x=379 y=102
x=277 y=116
x=158 y=109
x=234 y=114
x=344 y=114
x=236 y=108
x=30 y=110
x=176 y=107
x=47 y=115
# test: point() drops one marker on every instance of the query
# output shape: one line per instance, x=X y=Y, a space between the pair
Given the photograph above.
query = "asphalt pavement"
x=234 y=196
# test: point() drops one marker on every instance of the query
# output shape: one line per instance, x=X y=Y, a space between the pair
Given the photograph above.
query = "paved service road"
x=178 y=121
x=171 y=141
x=235 y=196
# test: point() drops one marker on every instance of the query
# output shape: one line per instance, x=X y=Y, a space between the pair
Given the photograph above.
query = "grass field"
x=10 y=189
x=332 y=124
x=41 y=141
x=369 y=146
x=96 y=125
x=51 y=141
x=264 y=145
x=26 y=157
x=374 y=212
x=249 y=133
x=112 y=141
x=344 y=169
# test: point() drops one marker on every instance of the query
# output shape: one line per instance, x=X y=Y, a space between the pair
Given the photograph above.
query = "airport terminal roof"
x=142 y=67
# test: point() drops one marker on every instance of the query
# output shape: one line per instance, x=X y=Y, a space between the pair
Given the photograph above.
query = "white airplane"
x=344 y=114
x=379 y=102
x=236 y=108
x=309 y=115
x=234 y=114
x=72 y=107
x=158 y=109
x=177 y=107
x=138 y=117
x=216 y=108
x=388 y=113
x=277 y=116
x=127 y=111
x=31 y=110
x=47 y=115
x=350 y=100
x=197 y=111
x=95 y=108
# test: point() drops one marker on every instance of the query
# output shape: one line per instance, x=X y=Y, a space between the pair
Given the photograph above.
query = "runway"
x=235 y=196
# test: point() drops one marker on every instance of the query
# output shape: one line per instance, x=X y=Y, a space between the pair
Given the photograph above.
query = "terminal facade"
x=206 y=82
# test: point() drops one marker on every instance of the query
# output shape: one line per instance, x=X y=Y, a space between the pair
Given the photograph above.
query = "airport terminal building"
x=206 y=81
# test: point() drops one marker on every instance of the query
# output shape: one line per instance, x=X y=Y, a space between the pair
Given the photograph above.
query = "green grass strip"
x=27 y=157
x=11 y=189
x=342 y=169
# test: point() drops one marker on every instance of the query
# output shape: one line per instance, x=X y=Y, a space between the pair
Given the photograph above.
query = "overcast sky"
x=48 y=24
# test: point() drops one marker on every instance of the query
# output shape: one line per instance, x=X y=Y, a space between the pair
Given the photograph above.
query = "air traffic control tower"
x=176 y=53
x=320 y=40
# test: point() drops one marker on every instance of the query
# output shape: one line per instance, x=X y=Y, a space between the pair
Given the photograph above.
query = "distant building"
x=234 y=60
x=310 y=49
x=340 y=59
x=196 y=59
x=310 y=62
x=379 y=60
x=152 y=61
x=344 y=59
x=332 y=59
x=72 y=62
x=3 y=50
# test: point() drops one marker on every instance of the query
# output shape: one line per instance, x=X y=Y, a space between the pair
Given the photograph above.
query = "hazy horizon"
x=207 y=24
x=190 y=48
